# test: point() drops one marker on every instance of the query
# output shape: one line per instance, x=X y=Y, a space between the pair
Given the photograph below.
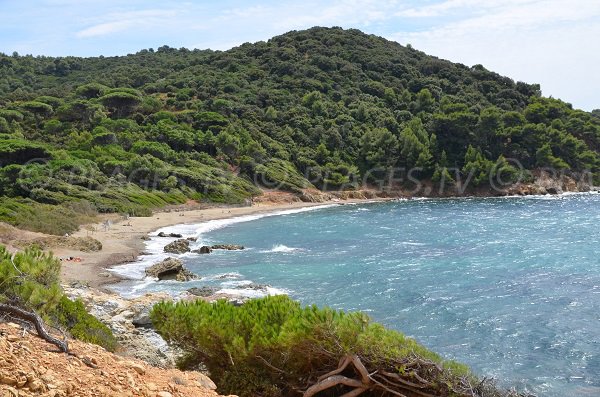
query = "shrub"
x=51 y=219
x=82 y=325
x=275 y=347
x=30 y=280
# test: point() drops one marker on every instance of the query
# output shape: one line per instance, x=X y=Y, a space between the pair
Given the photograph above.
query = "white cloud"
x=105 y=28
x=550 y=42
x=122 y=21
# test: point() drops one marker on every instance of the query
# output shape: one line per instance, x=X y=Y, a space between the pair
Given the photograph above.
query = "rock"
x=203 y=250
x=142 y=321
x=35 y=386
x=170 y=269
x=228 y=247
x=206 y=382
x=173 y=235
x=164 y=394
x=178 y=247
x=253 y=286
x=7 y=380
x=139 y=368
x=10 y=392
x=192 y=239
x=552 y=190
x=203 y=291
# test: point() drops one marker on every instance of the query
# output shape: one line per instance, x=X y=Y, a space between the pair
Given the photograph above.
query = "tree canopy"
x=316 y=107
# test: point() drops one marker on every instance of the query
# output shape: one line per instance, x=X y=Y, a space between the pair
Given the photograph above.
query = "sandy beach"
x=123 y=241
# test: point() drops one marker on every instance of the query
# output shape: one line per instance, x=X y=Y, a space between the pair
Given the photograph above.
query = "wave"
x=283 y=248
x=251 y=292
x=154 y=246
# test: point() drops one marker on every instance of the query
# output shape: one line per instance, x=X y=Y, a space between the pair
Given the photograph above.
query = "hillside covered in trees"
x=316 y=108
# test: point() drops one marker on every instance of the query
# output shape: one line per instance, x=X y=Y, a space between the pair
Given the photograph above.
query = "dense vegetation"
x=275 y=347
x=30 y=281
x=318 y=108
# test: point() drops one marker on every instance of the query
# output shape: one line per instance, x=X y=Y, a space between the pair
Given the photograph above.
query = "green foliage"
x=324 y=107
x=14 y=151
x=477 y=166
x=273 y=346
x=30 y=280
x=280 y=174
x=379 y=148
x=52 y=219
x=545 y=158
x=33 y=281
x=82 y=325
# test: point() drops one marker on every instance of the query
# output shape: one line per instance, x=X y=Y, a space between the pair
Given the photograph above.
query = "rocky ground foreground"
x=31 y=367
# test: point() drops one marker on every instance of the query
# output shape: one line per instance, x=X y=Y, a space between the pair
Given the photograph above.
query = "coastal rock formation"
x=203 y=250
x=119 y=314
x=31 y=367
x=178 y=247
x=228 y=247
x=204 y=291
x=170 y=269
x=173 y=235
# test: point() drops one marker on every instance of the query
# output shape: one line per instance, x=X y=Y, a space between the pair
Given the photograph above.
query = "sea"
x=509 y=286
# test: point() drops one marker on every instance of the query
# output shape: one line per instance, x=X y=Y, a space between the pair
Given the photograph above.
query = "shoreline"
x=124 y=241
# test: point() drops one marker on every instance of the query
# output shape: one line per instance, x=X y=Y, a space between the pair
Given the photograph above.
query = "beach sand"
x=123 y=241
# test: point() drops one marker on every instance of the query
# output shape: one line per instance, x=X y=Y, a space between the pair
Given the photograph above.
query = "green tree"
x=379 y=148
x=120 y=103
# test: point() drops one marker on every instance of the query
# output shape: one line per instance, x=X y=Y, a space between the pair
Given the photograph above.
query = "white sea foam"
x=251 y=292
x=283 y=248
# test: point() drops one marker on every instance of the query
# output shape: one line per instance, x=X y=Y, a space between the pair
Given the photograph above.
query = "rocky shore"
x=29 y=367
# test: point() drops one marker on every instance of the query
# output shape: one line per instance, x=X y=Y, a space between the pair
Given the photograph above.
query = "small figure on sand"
x=71 y=259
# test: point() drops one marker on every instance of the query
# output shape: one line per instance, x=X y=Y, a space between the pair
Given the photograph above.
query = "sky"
x=551 y=42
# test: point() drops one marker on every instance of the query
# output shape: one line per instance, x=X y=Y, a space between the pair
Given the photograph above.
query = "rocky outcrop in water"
x=170 y=269
x=203 y=250
x=204 y=291
x=178 y=247
x=228 y=247
x=173 y=235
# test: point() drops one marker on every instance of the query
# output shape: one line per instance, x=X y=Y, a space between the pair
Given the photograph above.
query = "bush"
x=83 y=326
x=275 y=347
x=51 y=219
x=30 y=281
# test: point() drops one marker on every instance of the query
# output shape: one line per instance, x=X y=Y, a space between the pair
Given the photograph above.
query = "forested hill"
x=317 y=107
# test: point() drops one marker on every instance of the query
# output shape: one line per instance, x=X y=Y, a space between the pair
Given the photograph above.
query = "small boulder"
x=142 y=320
x=178 y=247
x=203 y=291
x=552 y=190
x=206 y=382
x=170 y=269
x=173 y=235
x=228 y=247
x=203 y=250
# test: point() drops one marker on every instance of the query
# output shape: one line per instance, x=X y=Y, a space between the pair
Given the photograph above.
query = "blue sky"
x=551 y=42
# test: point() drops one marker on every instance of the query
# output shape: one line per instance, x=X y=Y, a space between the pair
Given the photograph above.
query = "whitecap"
x=283 y=248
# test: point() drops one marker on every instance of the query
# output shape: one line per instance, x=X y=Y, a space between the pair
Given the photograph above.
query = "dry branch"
x=37 y=322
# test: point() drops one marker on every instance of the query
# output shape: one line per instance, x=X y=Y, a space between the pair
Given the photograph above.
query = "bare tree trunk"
x=37 y=322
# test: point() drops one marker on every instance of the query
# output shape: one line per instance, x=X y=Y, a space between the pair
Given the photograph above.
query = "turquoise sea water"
x=509 y=286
